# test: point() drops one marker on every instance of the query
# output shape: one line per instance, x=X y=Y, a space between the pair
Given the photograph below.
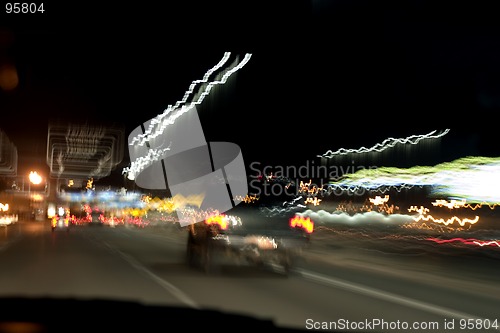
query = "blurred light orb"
x=35 y=178
x=8 y=77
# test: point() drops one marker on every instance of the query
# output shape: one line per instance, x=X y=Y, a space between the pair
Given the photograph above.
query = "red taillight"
x=220 y=220
x=302 y=222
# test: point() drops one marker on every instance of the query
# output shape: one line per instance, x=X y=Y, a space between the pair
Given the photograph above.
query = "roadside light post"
x=35 y=179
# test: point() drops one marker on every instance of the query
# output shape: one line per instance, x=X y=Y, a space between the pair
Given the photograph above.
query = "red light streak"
x=468 y=241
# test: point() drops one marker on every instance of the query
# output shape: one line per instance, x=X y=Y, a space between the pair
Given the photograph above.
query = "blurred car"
x=8 y=219
x=215 y=242
x=248 y=234
x=60 y=222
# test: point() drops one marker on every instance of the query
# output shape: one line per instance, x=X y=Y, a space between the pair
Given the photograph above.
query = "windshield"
x=317 y=165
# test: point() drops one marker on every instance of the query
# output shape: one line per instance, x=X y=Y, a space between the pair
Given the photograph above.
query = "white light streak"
x=387 y=143
x=160 y=122
x=142 y=163
x=475 y=179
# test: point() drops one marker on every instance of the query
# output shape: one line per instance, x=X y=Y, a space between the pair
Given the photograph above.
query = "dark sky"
x=323 y=74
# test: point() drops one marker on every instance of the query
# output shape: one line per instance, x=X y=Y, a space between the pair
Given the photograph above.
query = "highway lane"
x=339 y=278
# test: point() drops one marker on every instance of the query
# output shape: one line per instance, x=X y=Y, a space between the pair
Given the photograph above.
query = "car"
x=60 y=222
x=247 y=235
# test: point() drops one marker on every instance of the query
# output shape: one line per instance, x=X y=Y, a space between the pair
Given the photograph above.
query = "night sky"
x=323 y=74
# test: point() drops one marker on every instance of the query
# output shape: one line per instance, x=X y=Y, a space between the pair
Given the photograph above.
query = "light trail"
x=387 y=143
x=451 y=220
x=158 y=124
x=468 y=241
x=475 y=179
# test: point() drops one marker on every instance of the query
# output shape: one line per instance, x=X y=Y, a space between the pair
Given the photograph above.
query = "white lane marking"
x=164 y=284
x=330 y=281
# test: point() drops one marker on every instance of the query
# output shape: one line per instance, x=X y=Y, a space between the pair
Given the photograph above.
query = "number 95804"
x=24 y=8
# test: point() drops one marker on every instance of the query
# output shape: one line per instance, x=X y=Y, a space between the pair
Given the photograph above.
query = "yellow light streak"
x=451 y=220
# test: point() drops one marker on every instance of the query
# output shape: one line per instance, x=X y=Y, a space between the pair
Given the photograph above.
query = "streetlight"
x=35 y=179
